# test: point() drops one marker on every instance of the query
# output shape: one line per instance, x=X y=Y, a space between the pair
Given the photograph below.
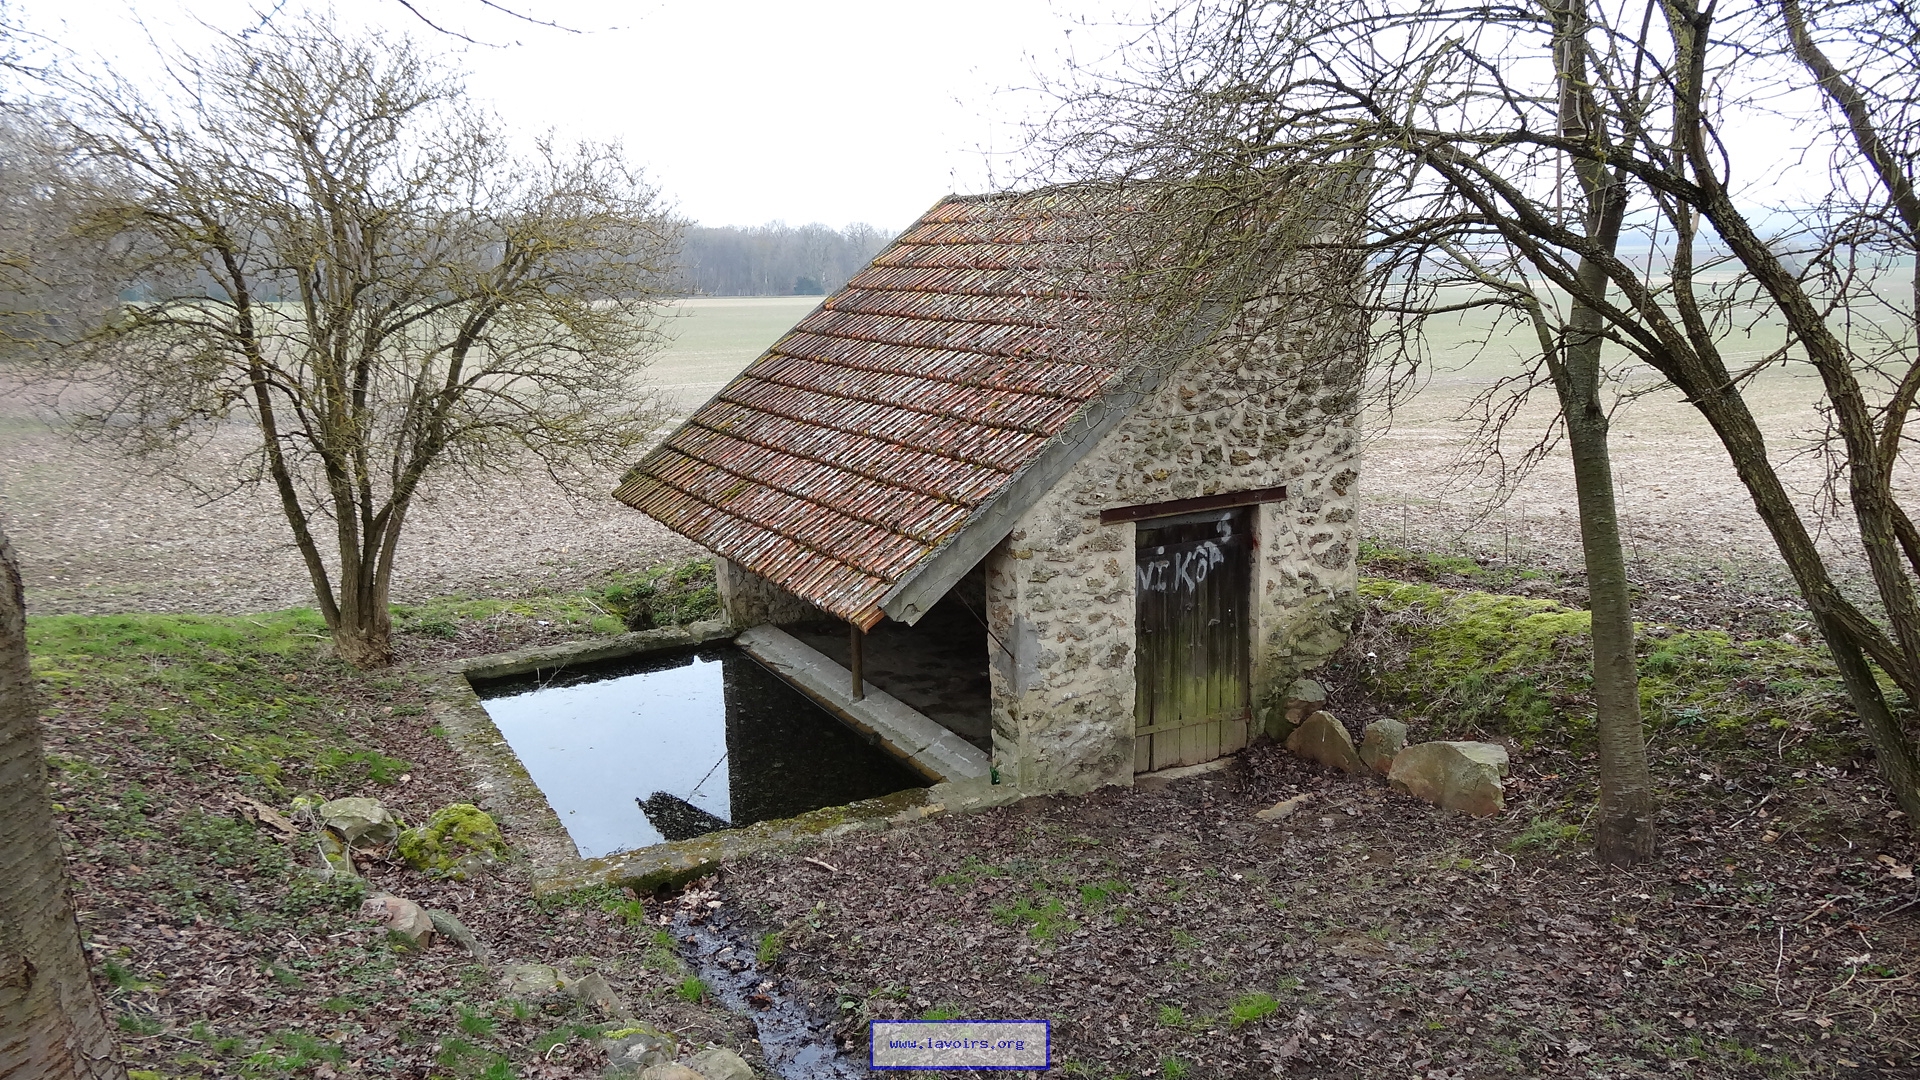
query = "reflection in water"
x=678 y=819
x=673 y=745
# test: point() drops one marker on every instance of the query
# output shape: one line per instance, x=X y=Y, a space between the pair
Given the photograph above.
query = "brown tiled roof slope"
x=867 y=436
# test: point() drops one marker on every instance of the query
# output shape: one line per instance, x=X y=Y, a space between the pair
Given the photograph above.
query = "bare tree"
x=332 y=245
x=1513 y=147
x=54 y=283
x=51 y=1023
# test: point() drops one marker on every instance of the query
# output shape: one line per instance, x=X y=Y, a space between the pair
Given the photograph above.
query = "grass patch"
x=672 y=595
x=1044 y=921
x=1544 y=833
x=1251 y=1007
x=1098 y=896
x=159 y=729
x=971 y=871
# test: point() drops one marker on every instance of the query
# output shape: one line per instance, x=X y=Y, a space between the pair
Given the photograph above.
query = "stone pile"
x=1463 y=776
x=636 y=1049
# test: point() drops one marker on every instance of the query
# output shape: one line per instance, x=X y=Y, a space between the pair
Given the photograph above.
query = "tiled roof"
x=869 y=435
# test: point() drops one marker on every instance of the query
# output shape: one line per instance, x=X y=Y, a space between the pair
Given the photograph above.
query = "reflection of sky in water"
x=594 y=747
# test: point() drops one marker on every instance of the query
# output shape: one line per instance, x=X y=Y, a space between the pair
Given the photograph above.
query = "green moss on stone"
x=457 y=840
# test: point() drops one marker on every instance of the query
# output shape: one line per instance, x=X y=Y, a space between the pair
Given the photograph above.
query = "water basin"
x=666 y=746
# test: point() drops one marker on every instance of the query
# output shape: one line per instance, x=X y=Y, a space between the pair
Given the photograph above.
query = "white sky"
x=743 y=112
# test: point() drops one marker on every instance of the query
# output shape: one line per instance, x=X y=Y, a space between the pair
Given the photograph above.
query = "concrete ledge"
x=664 y=865
x=671 y=863
x=526 y=661
x=907 y=733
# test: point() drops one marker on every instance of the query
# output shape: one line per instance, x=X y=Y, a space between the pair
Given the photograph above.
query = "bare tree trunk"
x=51 y=1023
x=364 y=635
x=1624 y=832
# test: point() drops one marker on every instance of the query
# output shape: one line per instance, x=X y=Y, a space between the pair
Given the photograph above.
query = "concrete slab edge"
x=1181 y=772
x=527 y=661
x=903 y=731
x=665 y=865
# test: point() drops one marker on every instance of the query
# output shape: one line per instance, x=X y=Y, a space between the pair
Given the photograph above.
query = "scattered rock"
x=261 y=814
x=638 y=1045
x=1462 y=776
x=1283 y=808
x=456 y=931
x=720 y=1063
x=335 y=859
x=1304 y=698
x=593 y=991
x=403 y=917
x=1381 y=742
x=359 y=822
x=531 y=981
x=1323 y=738
x=458 y=840
x=670 y=1071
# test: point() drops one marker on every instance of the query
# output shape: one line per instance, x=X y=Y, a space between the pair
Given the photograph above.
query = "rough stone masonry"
x=1060 y=588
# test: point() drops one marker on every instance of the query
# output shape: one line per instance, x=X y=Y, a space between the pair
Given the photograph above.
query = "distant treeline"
x=777 y=259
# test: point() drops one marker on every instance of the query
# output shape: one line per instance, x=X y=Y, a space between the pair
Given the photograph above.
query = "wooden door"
x=1193 y=587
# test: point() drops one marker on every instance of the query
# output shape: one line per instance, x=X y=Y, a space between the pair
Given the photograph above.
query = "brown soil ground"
x=1368 y=934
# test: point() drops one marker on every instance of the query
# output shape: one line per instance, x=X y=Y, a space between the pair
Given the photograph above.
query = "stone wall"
x=1060 y=588
x=747 y=599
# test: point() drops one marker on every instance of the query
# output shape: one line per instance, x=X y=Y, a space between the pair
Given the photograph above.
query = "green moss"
x=1479 y=662
x=1505 y=663
x=457 y=840
x=673 y=595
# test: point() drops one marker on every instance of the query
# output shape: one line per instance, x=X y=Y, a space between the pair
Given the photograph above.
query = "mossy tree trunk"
x=51 y=1023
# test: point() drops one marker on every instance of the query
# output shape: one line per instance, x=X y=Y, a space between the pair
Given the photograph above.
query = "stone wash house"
x=1081 y=563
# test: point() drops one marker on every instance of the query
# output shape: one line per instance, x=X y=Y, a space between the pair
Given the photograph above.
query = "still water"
x=668 y=746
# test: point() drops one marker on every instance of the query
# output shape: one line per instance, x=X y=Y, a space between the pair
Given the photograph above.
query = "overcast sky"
x=743 y=112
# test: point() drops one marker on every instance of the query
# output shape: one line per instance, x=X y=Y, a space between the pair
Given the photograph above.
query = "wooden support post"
x=856 y=639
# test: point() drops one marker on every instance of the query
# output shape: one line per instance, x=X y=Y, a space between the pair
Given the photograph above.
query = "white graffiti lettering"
x=1184 y=572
